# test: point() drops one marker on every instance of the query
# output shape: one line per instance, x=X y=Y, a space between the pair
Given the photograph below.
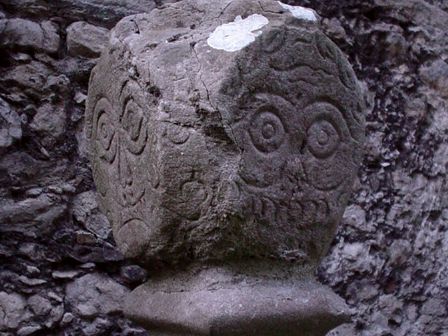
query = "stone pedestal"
x=225 y=136
x=266 y=299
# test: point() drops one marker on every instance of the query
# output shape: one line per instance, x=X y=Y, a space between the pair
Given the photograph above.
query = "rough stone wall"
x=60 y=273
x=390 y=257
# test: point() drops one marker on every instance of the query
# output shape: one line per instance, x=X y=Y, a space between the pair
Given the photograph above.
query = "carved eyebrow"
x=263 y=95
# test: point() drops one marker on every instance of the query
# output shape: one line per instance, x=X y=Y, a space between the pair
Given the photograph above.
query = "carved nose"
x=124 y=171
x=229 y=197
x=295 y=172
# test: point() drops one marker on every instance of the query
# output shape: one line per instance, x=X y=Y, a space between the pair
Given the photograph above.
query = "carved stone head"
x=208 y=146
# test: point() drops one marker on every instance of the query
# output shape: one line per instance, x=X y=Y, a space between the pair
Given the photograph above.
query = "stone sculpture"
x=225 y=136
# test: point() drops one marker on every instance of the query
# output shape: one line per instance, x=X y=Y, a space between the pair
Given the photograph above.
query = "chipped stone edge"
x=238 y=34
x=301 y=13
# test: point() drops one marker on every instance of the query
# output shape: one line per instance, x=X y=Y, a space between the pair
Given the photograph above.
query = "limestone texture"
x=396 y=220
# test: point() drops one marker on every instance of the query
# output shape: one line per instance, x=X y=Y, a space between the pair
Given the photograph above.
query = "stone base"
x=217 y=301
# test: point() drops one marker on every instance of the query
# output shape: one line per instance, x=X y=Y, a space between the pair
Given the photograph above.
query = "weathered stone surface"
x=401 y=188
x=104 y=11
x=436 y=75
x=234 y=141
x=49 y=121
x=84 y=39
x=220 y=302
x=85 y=210
x=29 y=77
x=12 y=310
x=10 y=125
x=40 y=211
x=223 y=154
x=64 y=274
x=98 y=326
x=20 y=33
x=83 y=205
x=95 y=294
x=39 y=304
x=28 y=330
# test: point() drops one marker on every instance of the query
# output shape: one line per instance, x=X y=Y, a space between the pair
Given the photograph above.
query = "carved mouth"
x=304 y=213
x=282 y=205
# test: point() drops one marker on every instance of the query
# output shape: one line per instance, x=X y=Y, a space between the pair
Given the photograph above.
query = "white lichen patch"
x=238 y=34
x=300 y=12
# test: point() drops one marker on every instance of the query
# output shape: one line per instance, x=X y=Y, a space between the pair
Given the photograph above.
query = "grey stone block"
x=225 y=137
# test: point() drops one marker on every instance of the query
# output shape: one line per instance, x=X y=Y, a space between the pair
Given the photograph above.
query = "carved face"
x=296 y=116
x=266 y=175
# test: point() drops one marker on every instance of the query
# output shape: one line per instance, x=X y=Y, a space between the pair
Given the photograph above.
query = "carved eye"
x=323 y=139
x=267 y=131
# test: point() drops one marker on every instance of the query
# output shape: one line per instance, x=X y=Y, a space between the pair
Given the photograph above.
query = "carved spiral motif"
x=267 y=131
x=121 y=137
x=135 y=132
x=131 y=190
x=133 y=138
x=328 y=138
x=323 y=139
x=105 y=131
